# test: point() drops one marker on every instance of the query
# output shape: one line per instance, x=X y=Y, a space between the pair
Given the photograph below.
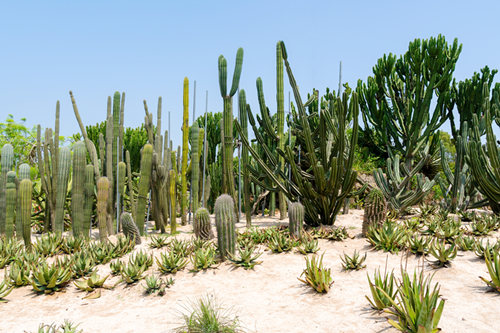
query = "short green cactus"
x=296 y=219
x=375 y=210
x=225 y=219
x=25 y=192
x=201 y=226
x=129 y=227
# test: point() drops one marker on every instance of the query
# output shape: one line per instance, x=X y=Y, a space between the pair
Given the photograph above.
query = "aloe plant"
x=5 y=289
x=316 y=275
x=382 y=290
x=93 y=282
x=443 y=254
x=493 y=264
x=354 y=262
x=48 y=279
x=171 y=262
x=247 y=257
x=203 y=259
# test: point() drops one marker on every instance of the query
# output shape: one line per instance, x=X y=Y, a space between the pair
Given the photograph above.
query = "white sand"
x=267 y=299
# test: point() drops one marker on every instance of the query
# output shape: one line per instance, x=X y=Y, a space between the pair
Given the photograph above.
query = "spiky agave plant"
x=93 y=282
x=5 y=289
x=316 y=275
x=48 y=279
x=493 y=265
x=381 y=283
x=203 y=259
x=388 y=237
x=444 y=254
x=354 y=262
x=246 y=258
x=157 y=242
x=171 y=262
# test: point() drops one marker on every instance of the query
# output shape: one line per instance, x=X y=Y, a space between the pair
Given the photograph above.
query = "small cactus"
x=201 y=226
x=296 y=219
x=224 y=222
x=375 y=210
x=129 y=227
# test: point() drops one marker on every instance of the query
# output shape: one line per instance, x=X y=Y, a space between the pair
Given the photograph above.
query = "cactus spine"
x=102 y=202
x=224 y=221
x=129 y=227
x=185 y=135
x=244 y=158
x=89 y=199
x=25 y=192
x=77 y=187
x=6 y=161
x=10 y=202
x=296 y=219
x=146 y=162
x=62 y=187
x=172 y=175
x=195 y=166
x=201 y=226
x=375 y=210
x=227 y=165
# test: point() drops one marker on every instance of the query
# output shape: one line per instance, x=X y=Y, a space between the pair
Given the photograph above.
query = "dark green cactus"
x=296 y=219
x=7 y=160
x=228 y=183
x=129 y=227
x=201 y=226
x=62 y=187
x=280 y=120
x=244 y=159
x=78 y=188
x=24 y=171
x=172 y=177
x=10 y=201
x=142 y=196
x=24 y=197
x=89 y=199
x=375 y=210
x=225 y=220
x=195 y=166
x=102 y=206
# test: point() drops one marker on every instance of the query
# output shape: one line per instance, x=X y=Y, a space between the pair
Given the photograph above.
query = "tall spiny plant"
x=7 y=160
x=185 y=137
x=245 y=158
x=77 y=188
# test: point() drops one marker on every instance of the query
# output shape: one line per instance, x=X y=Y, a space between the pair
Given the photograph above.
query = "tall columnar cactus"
x=122 y=173
x=296 y=219
x=172 y=176
x=185 y=136
x=25 y=192
x=10 y=202
x=129 y=227
x=227 y=165
x=131 y=195
x=280 y=119
x=78 y=188
x=89 y=199
x=144 y=184
x=110 y=168
x=244 y=158
x=7 y=160
x=375 y=210
x=24 y=171
x=102 y=206
x=201 y=226
x=116 y=131
x=225 y=220
x=195 y=166
x=201 y=150
x=62 y=187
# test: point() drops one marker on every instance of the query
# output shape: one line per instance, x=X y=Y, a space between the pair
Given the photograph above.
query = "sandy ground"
x=267 y=299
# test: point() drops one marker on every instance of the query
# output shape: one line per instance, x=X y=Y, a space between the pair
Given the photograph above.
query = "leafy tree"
x=20 y=137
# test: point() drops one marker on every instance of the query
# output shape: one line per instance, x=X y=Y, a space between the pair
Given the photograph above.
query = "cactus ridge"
x=201 y=226
x=296 y=219
x=24 y=197
x=129 y=227
x=77 y=187
x=64 y=161
x=375 y=210
x=225 y=219
x=6 y=162
x=10 y=202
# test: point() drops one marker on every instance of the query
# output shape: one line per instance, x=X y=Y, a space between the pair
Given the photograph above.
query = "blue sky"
x=145 y=48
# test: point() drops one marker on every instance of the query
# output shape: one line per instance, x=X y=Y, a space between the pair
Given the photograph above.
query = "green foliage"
x=418 y=245
x=157 y=242
x=389 y=237
x=308 y=245
x=171 y=262
x=354 y=262
x=203 y=259
x=444 y=254
x=246 y=258
x=116 y=267
x=83 y=264
x=493 y=264
x=66 y=327
x=20 y=137
x=281 y=242
x=316 y=275
x=93 y=282
x=18 y=273
x=382 y=290
x=50 y=278
x=132 y=273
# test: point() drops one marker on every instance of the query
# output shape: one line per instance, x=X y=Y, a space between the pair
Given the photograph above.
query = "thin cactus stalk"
x=25 y=193
x=225 y=220
x=195 y=165
x=185 y=136
x=245 y=159
x=10 y=202
x=122 y=172
x=201 y=225
x=7 y=160
x=172 y=176
x=77 y=188
x=296 y=219
x=116 y=130
x=131 y=195
x=200 y=155
x=102 y=207
x=280 y=113
x=144 y=185
x=110 y=168
x=375 y=210
x=129 y=227
x=62 y=187
x=89 y=199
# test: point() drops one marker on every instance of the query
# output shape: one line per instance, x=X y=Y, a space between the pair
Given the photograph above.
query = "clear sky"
x=146 y=48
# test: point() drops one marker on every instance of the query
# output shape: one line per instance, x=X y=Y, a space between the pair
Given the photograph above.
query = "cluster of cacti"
x=375 y=210
x=201 y=226
x=296 y=219
x=225 y=220
x=129 y=227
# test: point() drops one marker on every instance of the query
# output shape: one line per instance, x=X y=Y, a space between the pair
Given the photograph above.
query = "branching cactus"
x=296 y=219
x=62 y=187
x=10 y=200
x=224 y=221
x=201 y=226
x=375 y=210
x=77 y=187
x=102 y=206
x=25 y=192
x=6 y=162
x=146 y=163
x=129 y=227
x=89 y=199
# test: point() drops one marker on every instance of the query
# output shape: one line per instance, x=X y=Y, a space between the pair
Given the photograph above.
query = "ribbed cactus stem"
x=146 y=163
x=172 y=175
x=25 y=192
x=62 y=187
x=280 y=117
x=110 y=168
x=129 y=227
x=296 y=219
x=201 y=225
x=243 y=118
x=10 y=201
x=195 y=166
x=122 y=172
x=185 y=136
x=131 y=195
x=6 y=161
x=102 y=204
x=77 y=187
x=201 y=151
x=225 y=220
x=375 y=210
x=89 y=199
x=24 y=172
